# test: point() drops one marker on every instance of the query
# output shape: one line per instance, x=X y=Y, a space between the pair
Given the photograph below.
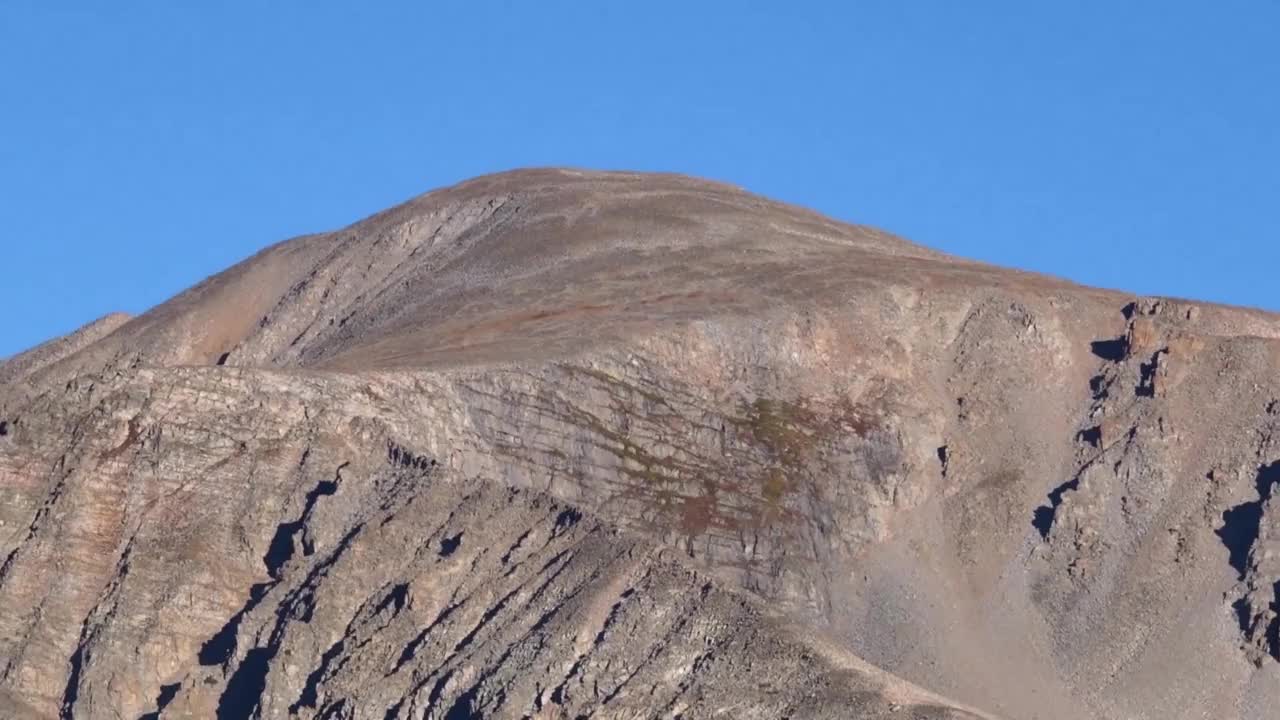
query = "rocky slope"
x=564 y=444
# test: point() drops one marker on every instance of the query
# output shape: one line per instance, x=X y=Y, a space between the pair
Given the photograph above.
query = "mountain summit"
x=561 y=444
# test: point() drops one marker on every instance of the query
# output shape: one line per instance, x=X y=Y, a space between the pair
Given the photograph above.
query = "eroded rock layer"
x=561 y=444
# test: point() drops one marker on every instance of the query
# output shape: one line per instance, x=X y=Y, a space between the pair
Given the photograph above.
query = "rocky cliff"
x=558 y=444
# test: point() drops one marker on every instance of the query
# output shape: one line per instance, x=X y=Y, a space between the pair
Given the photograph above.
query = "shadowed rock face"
x=555 y=444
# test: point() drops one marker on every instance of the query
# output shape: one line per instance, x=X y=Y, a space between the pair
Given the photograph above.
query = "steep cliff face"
x=561 y=444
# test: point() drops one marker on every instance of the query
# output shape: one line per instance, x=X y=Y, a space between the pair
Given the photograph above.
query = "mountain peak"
x=551 y=443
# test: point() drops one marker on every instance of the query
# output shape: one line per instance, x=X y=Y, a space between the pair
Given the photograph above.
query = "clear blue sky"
x=147 y=144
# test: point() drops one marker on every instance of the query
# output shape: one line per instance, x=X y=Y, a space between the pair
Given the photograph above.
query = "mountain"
x=561 y=444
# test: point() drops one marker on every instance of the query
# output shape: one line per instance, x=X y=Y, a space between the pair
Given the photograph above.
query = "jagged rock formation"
x=562 y=444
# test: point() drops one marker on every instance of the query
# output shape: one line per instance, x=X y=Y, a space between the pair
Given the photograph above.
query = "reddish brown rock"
x=555 y=443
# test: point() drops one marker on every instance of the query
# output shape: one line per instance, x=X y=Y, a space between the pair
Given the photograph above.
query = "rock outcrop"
x=570 y=444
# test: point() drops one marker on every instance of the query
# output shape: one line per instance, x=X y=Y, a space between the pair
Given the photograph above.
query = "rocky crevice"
x=1249 y=531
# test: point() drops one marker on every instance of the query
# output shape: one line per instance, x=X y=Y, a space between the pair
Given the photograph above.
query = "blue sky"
x=147 y=144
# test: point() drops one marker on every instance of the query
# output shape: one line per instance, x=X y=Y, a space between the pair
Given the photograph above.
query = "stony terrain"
x=559 y=444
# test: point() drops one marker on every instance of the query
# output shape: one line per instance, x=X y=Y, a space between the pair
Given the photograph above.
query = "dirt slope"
x=557 y=444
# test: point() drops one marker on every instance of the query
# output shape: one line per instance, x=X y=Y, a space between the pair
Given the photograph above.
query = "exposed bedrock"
x=555 y=444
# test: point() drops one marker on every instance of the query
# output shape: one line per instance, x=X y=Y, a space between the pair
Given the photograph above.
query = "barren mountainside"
x=561 y=444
